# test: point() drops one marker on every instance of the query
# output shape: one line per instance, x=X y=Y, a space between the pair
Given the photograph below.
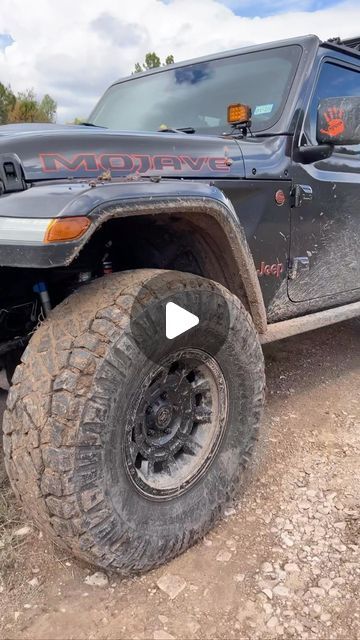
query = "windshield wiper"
x=165 y=129
x=90 y=124
x=240 y=134
x=271 y=135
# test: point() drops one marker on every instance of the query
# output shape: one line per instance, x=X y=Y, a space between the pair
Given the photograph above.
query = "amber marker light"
x=238 y=113
x=62 y=229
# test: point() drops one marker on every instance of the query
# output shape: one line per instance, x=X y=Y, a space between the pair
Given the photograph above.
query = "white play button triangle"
x=178 y=320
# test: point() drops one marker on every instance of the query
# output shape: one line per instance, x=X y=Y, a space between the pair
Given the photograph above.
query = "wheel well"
x=166 y=242
x=185 y=242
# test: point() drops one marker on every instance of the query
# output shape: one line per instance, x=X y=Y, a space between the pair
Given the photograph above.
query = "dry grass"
x=21 y=557
x=10 y=545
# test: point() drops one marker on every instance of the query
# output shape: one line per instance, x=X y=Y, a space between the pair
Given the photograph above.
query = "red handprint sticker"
x=335 y=122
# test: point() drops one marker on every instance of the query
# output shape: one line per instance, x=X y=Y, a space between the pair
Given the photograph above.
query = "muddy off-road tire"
x=85 y=395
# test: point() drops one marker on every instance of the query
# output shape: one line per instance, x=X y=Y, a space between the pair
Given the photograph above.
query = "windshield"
x=197 y=95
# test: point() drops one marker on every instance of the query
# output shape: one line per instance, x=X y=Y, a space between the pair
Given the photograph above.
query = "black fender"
x=201 y=203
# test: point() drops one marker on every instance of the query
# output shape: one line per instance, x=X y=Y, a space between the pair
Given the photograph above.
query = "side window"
x=334 y=81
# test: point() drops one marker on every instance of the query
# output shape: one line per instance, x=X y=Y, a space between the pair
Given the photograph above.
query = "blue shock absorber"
x=41 y=289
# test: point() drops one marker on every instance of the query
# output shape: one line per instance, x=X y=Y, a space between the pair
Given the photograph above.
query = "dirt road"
x=285 y=563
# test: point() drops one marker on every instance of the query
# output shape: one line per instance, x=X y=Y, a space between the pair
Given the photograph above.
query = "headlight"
x=42 y=230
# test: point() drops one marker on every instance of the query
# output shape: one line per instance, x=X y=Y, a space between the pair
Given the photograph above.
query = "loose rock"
x=97 y=579
x=291 y=567
x=161 y=634
x=272 y=622
x=223 y=556
x=172 y=585
x=267 y=567
x=281 y=591
x=325 y=583
x=23 y=531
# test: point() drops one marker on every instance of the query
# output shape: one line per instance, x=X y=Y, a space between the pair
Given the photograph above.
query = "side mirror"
x=338 y=121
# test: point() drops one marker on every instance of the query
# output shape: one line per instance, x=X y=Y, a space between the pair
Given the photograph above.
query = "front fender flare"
x=104 y=202
x=224 y=214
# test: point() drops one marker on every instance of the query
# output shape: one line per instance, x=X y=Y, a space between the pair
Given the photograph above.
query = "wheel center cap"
x=163 y=417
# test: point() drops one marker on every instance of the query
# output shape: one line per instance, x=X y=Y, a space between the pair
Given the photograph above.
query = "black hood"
x=51 y=151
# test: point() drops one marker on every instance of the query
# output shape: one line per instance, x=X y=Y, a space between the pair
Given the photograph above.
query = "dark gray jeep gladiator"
x=227 y=187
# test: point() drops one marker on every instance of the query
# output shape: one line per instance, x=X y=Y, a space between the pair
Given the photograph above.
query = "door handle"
x=301 y=263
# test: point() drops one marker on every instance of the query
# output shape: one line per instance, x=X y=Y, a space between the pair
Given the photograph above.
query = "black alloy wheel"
x=175 y=424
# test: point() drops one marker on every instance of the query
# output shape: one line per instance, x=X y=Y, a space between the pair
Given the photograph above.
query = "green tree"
x=27 y=108
x=152 y=61
x=47 y=109
x=7 y=103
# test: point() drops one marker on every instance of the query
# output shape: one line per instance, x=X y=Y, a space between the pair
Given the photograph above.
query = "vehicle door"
x=325 y=220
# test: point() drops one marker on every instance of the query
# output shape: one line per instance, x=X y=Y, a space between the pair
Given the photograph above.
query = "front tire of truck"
x=124 y=460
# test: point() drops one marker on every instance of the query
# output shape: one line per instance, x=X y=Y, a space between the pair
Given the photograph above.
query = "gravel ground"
x=285 y=562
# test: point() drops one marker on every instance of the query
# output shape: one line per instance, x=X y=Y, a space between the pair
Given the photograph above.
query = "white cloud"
x=73 y=50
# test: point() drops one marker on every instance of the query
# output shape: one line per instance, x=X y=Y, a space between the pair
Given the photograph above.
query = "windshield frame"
x=221 y=56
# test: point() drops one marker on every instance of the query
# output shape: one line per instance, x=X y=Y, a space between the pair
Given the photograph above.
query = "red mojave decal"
x=125 y=163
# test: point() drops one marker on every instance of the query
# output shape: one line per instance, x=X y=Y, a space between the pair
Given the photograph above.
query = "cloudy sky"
x=73 y=49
